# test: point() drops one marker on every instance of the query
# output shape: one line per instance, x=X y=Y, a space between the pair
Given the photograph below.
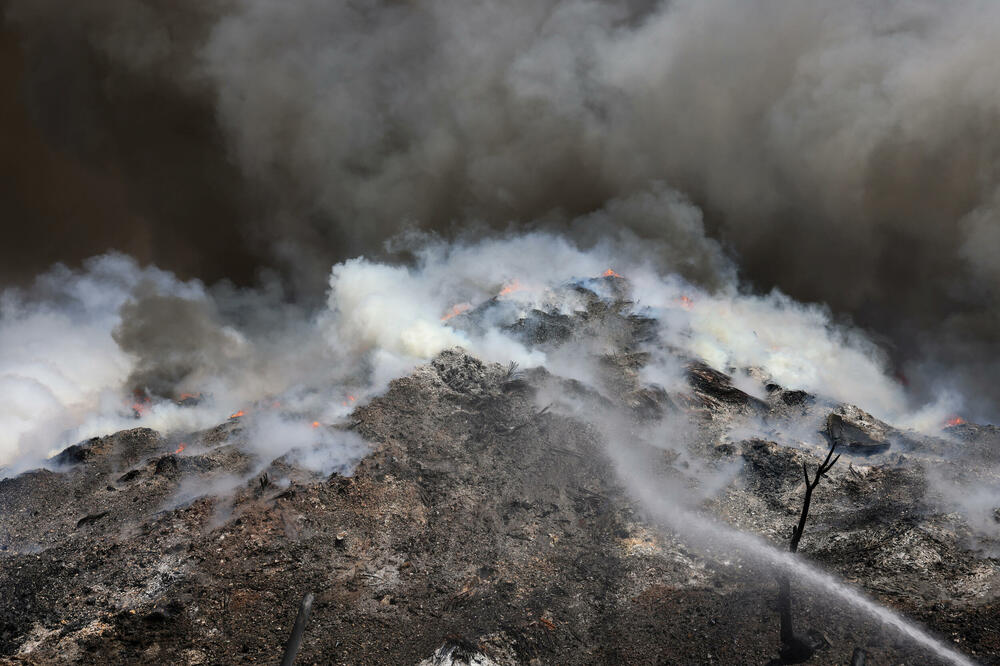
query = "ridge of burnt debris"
x=488 y=526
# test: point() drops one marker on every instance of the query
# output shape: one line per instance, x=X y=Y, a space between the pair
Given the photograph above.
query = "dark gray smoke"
x=171 y=338
x=844 y=151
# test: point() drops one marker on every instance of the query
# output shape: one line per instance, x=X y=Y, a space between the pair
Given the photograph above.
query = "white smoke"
x=309 y=445
x=61 y=371
x=67 y=379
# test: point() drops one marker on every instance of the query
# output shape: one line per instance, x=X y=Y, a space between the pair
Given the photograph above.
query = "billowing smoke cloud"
x=59 y=365
x=844 y=152
x=116 y=346
x=173 y=338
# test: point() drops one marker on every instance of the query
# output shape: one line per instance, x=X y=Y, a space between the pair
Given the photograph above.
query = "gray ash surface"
x=486 y=527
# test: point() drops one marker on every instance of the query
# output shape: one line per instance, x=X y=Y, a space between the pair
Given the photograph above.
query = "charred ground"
x=486 y=526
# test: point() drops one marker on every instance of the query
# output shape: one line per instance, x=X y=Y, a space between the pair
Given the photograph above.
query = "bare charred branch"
x=821 y=471
x=795 y=649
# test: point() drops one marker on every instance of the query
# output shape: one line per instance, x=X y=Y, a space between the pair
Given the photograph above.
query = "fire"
x=610 y=273
x=349 y=400
x=511 y=287
x=237 y=414
x=140 y=404
x=954 y=421
x=180 y=448
x=189 y=396
x=686 y=303
x=456 y=310
x=315 y=424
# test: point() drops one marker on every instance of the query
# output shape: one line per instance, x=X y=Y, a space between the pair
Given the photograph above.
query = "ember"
x=610 y=273
x=188 y=399
x=456 y=310
x=237 y=414
x=140 y=405
x=954 y=421
x=511 y=287
x=180 y=448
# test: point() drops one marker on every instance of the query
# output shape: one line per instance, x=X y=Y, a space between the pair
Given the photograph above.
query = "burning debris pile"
x=478 y=512
x=526 y=330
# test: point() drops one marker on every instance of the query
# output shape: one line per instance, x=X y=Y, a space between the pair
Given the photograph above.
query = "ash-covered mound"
x=499 y=517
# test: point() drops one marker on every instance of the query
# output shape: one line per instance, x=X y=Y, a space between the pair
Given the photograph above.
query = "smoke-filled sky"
x=845 y=152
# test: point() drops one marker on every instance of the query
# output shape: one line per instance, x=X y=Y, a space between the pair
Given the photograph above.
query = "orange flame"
x=610 y=273
x=140 y=403
x=180 y=448
x=456 y=310
x=954 y=421
x=511 y=287
x=237 y=414
x=686 y=303
x=315 y=424
x=350 y=398
x=187 y=396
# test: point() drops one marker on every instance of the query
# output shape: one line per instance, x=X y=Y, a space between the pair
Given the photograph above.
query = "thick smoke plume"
x=117 y=345
x=844 y=152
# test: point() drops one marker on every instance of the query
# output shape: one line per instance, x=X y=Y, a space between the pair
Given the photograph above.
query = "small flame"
x=610 y=273
x=349 y=400
x=686 y=303
x=188 y=396
x=237 y=414
x=511 y=287
x=456 y=310
x=954 y=421
x=315 y=424
x=180 y=448
x=140 y=404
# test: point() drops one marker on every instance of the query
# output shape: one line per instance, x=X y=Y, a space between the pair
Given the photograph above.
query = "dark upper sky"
x=83 y=171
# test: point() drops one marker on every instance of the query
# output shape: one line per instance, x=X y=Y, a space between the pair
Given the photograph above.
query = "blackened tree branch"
x=794 y=649
x=824 y=467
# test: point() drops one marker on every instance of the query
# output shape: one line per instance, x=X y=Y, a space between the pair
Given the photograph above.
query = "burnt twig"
x=794 y=649
x=511 y=372
x=824 y=467
x=534 y=417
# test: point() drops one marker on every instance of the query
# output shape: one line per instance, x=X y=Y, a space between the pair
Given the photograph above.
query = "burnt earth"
x=482 y=528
